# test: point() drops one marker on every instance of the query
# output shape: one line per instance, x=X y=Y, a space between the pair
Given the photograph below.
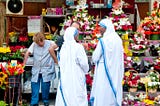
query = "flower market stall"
x=141 y=83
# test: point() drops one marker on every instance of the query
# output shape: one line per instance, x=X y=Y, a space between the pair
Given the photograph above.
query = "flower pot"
x=133 y=89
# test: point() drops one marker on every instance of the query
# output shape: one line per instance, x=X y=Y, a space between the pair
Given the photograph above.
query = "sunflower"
x=1 y=82
x=5 y=79
x=1 y=74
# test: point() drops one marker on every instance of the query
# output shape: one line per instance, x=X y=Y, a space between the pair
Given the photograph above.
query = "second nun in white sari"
x=73 y=67
x=109 y=61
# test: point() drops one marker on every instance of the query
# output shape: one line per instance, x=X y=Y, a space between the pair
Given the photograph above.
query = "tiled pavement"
x=27 y=98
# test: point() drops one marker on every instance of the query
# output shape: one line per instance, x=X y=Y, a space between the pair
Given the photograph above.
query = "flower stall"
x=12 y=75
x=150 y=26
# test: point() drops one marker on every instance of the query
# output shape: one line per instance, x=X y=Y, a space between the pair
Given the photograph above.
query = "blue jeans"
x=45 y=87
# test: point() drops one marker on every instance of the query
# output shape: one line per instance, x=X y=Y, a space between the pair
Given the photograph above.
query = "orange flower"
x=11 y=69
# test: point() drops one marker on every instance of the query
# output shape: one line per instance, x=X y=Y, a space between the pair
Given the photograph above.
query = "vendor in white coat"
x=73 y=67
x=109 y=62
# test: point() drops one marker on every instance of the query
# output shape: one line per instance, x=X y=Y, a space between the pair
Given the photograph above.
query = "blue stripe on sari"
x=106 y=70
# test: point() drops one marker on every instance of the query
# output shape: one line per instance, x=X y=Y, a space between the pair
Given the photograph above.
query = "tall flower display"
x=80 y=14
x=120 y=21
x=122 y=26
x=151 y=24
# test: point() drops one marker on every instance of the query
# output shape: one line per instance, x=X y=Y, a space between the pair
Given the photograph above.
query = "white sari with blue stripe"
x=73 y=66
x=102 y=93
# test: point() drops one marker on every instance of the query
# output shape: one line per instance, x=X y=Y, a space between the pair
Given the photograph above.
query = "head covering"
x=70 y=33
x=107 y=23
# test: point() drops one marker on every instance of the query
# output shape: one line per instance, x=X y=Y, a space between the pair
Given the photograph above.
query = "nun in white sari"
x=109 y=62
x=73 y=67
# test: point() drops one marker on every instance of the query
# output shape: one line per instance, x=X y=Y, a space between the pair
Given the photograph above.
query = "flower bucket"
x=14 y=80
x=155 y=37
x=133 y=89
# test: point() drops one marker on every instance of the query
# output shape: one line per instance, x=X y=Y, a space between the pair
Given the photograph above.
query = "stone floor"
x=27 y=98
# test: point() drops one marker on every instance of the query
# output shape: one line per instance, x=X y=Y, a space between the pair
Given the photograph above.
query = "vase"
x=132 y=89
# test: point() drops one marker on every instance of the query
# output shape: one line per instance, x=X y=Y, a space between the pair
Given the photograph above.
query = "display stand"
x=13 y=93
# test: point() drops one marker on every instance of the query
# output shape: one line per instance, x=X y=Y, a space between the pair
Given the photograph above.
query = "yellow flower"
x=1 y=74
x=122 y=82
x=1 y=82
x=145 y=80
x=5 y=50
x=31 y=34
x=149 y=102
x=48 y=37
x=5 y=79
x=127 y=73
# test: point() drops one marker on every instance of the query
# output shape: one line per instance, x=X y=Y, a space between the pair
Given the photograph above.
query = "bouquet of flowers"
x=13 y=36
x=151 y=24
x=131 y=79
x=154 y=80
x=12 y=69
x=81 y=15
x=120 y=21
x=138 y=43
x=4 y=53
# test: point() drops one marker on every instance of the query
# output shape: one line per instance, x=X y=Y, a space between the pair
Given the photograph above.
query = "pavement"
x=27 y=99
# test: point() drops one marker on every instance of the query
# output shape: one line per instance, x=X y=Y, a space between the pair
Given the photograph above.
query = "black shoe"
x=46 y=104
